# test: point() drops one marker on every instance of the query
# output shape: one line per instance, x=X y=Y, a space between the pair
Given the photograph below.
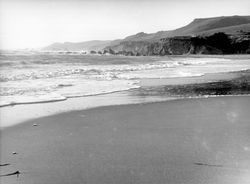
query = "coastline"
x=153 y=134
x=198 y=140
x=124 y=92
x=151 y=90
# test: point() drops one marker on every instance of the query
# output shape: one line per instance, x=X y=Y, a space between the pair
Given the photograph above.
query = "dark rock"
x=218 y=43
x=92 y=52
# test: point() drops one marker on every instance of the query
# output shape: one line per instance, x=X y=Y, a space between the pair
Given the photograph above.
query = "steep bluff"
x=198 y=37
x=218 y=43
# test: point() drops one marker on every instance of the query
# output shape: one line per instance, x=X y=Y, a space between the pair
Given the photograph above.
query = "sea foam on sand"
x=58 y=89
x=48 y=79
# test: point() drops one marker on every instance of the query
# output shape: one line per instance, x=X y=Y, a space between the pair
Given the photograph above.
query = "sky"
x=38 y=23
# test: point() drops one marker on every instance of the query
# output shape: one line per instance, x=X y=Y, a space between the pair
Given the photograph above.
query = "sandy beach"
x=188 y=130
x=124 y=92
x=151 y=90
x=182 y=141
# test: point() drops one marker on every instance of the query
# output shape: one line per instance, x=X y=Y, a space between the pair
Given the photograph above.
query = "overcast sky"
x=37 y=23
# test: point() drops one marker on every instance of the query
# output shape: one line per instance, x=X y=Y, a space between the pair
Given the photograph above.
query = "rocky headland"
x=218 y=43
x=216 y=35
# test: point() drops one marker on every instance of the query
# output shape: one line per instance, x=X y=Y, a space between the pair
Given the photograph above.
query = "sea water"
x=76 y=82
x=36 y=78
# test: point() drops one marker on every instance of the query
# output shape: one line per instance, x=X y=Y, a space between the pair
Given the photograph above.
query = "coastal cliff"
x=216 y=35
x=218 y=43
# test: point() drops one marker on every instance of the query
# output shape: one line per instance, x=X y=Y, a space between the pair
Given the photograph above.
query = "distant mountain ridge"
x=78 y=46
x=201 y=26
x=232 y=25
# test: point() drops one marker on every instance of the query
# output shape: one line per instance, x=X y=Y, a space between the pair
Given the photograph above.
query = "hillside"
x=231 y=30
x=229 y=25
x=194 y=38
x=79 y=46
x=141 y=43
x=218 y=43
x=199 y=26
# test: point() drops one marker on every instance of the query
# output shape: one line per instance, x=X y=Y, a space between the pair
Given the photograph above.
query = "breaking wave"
x=36 y=79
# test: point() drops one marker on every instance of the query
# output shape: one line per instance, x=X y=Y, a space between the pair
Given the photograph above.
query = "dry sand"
x=189 y=141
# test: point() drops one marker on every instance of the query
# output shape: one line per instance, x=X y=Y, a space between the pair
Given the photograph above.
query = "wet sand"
x=217 y=84
x=209 y=77
x=189 y=141
x=151 y=90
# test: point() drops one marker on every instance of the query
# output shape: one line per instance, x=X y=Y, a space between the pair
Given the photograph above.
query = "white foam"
x=56 y=89
x=53 y=82
x=58 y=70
x=188 y=70
x=25 y=99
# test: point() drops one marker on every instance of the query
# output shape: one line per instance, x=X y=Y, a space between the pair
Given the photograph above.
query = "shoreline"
x=150 y=91
x=163 y=100
x=205 y=78
x=159 y=101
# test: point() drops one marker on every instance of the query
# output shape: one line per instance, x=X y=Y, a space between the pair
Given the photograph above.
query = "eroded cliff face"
x=218 y=43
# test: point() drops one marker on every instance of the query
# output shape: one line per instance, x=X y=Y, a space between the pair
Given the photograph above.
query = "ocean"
x=36 y=78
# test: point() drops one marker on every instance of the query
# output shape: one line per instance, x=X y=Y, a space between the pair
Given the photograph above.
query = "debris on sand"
x=17 y=173
x=2 y=165
x=209 y=165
